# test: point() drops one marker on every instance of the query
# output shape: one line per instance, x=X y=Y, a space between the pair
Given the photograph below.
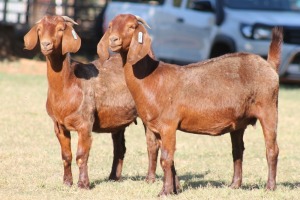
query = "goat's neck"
x=144 y=67
x=124 y=57
x=58 y=71
x=137 y=76
x=134 y=74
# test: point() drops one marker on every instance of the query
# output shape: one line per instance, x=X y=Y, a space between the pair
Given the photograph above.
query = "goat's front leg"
x=152 y=148
x=237 y=154
x=171 y=184
x=64 y=139
x=83 y=150
x=119 y=154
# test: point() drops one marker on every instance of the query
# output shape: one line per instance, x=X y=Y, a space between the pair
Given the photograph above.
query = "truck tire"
x=219 y=49
x=222 y=45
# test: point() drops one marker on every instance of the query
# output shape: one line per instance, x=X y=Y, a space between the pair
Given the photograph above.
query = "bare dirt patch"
x=23 y=66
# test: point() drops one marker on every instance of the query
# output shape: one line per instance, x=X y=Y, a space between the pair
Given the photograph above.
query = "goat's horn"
x=38 y=21
x=68 y=19
x=142 y=21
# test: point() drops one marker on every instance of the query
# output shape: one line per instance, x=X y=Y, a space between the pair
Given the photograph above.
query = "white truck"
x=185 y=31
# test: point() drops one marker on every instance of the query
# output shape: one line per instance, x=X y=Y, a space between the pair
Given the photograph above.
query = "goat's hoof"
x=68 y=181
x=235 y=185
x=150 y=179
x=163 y=194
x=114 y=178
x=166 y=192
x=271 y=186
x=83 y=185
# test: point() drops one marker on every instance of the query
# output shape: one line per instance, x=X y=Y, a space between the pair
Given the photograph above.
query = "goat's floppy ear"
x=71 y=42
x=140 y=45
x=102 y=48
x=31 y=38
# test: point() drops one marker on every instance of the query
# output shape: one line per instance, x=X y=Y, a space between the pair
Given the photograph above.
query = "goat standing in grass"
x=84 y=98
x=213 y=97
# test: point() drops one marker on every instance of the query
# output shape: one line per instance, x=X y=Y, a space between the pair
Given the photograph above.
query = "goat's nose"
x=46 y=43
x=113 y=38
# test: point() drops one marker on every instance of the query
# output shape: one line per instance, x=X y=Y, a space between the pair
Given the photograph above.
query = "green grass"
x=31 y=166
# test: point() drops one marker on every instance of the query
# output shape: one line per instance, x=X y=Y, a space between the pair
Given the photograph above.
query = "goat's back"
x=212 y=96
x=234 y=71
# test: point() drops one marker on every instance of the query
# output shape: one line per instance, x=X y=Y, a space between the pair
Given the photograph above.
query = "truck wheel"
x=219 y=50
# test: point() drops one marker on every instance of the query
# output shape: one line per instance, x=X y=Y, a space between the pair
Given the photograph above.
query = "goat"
x=84 y=98
x=213 y=97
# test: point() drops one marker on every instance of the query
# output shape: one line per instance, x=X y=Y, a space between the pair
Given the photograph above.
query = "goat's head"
x=55 y=33
x=126 y=34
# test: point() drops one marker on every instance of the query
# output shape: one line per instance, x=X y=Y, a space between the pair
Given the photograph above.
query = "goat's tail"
x=274 y=56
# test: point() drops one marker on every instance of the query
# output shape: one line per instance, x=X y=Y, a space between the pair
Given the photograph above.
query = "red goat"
x=84 y=98
x=213 y=97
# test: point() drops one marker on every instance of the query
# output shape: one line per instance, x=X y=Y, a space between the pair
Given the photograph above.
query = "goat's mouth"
x=46 y=52
x=115 y=48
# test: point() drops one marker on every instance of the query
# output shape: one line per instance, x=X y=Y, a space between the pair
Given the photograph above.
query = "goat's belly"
x=207 y=128
x=110 y=119
x=212 y=119
x=214 y=126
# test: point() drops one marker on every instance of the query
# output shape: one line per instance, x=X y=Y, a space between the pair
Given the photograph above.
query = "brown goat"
x=84 y=98
x=221 y=95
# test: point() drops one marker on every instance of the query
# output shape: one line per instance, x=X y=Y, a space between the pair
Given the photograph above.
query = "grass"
x=31 y=166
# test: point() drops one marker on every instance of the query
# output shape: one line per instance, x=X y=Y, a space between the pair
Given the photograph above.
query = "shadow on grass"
x=202 y=184
x=194 y=181
x=217 y=184
x=190 y=181
x=133 y=178
x=97 y=182
x=197 y=180
x=290 y=185
x=294 y=185
x=252 y=186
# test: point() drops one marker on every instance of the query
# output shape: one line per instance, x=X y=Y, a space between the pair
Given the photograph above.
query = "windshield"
x=283 y=5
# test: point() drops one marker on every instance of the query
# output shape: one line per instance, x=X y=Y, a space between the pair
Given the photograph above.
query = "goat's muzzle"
x=46 y=47
x=115 y=43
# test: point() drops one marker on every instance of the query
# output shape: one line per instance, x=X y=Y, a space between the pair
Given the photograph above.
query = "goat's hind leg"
x=119 y=154
x=268 y=122
x=64 y=139
x=237 y=154
x=83 y=150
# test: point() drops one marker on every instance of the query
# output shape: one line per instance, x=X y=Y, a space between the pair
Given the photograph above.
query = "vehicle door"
x=186 y=31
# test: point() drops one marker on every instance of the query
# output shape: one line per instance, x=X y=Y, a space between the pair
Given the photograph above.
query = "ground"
x=31 y=166
x=23 y=66
x=29 y=66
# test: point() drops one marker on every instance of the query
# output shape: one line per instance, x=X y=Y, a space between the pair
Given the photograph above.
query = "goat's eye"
x=132 y=27
x=61 y=29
